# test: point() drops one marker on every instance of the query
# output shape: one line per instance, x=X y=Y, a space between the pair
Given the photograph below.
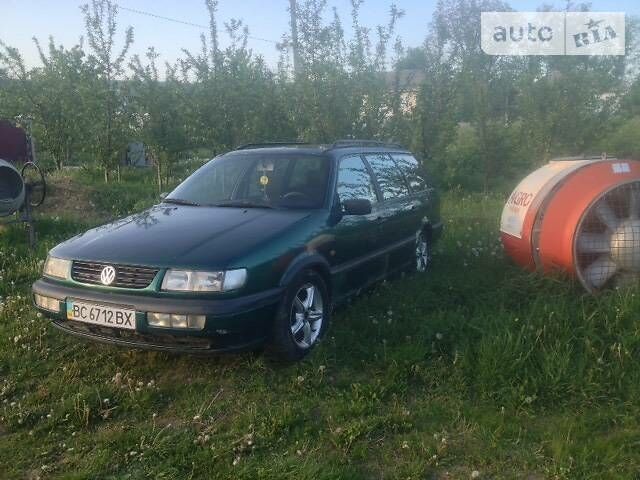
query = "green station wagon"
x=253 y=249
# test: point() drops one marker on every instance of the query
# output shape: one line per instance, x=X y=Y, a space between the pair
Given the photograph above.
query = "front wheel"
x=302 y=318
x=423 y=253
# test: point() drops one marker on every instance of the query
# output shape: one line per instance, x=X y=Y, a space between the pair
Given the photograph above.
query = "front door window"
x=354 y=180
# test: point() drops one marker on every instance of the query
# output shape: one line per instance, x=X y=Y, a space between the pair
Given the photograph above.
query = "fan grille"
x=607 y=245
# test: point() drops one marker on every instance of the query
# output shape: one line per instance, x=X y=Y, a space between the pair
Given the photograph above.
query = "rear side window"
x=390 y=179
x=411 y=170
x=354 y=180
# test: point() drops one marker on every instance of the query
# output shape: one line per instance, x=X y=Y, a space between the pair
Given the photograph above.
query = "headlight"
x=196 y=281
x=56 y=268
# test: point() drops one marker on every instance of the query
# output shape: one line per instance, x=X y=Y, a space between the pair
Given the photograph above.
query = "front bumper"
x=231 y=324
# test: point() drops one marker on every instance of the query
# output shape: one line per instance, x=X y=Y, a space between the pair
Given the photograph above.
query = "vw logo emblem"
x=108 y=275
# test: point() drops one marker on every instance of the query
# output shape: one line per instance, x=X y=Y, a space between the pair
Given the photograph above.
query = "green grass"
x=474 y=366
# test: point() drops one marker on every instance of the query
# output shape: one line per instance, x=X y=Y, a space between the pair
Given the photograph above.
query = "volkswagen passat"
x=253 y=248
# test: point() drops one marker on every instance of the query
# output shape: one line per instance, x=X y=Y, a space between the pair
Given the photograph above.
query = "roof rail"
x=363 y=143
x=603 y=156
x=248 y=146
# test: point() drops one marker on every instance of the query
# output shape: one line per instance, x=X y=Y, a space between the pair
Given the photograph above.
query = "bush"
x=461 y=163
x=624 y=142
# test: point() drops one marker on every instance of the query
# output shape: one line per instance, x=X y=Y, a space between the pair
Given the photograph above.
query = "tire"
x=422 y=261
x=300 y=321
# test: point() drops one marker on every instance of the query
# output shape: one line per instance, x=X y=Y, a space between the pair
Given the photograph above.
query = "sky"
x=267 y=19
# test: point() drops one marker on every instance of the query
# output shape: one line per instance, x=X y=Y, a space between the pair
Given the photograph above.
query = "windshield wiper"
x=180 y=201
x=241 y=204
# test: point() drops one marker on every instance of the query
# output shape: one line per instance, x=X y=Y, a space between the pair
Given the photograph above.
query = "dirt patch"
x=67 y=196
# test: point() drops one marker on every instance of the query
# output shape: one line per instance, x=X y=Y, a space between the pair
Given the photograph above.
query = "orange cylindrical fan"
x=579 y=216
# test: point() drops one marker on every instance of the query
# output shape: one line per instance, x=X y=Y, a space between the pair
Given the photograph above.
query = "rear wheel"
x=423 y=253
x=302 y=318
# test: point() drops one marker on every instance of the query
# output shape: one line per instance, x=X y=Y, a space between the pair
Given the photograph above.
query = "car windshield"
x=256 y=181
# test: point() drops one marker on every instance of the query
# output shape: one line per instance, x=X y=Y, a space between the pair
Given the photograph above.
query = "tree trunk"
x=167 y=169
x=159 y=176
x=67 y=158
x=212 y=7
x=293 y=12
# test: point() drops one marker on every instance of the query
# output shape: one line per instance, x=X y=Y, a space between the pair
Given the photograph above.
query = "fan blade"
x=594 y=243
x=606 y=215
x=600 y=271
x=634 y=203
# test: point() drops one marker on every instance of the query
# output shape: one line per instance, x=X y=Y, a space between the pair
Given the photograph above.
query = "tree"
x=435 y=116
x=293 y=22
x=52 y=96
x=457 y=26
x=159 y=118
x=471 y=115
x=232 y=97
x=109 y=102
x=61 y=83
x=340 y=88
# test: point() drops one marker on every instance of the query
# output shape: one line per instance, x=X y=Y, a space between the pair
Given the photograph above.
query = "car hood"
x=180 y=236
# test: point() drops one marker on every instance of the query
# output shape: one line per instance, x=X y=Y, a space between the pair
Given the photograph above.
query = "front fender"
x=303 y=261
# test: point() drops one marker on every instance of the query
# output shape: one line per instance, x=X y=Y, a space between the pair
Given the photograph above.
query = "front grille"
x=127 y=276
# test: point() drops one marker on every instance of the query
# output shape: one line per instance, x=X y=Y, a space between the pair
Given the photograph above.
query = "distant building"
x=407 y=83
x=135 y=156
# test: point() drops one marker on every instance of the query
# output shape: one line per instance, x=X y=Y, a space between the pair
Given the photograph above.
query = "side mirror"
x=356 y=206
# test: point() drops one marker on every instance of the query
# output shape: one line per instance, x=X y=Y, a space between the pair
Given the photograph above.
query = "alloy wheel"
x=306 y=315
x=422 y=254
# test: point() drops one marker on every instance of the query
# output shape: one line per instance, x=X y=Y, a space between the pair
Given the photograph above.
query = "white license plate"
x=101 y=314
